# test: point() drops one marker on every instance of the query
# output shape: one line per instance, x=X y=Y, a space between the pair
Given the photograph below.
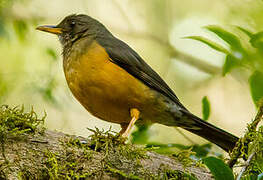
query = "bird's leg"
x=134 y=113
x=123 y=128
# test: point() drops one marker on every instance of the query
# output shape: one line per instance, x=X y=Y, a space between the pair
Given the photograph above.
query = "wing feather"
x=125 y=57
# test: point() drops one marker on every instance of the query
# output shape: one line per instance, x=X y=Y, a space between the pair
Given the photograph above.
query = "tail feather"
x=210 y=132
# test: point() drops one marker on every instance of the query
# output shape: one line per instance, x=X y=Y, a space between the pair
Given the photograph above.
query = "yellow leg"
x=135 y=116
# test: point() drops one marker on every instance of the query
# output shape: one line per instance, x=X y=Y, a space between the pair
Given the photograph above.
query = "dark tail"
x=210 y=132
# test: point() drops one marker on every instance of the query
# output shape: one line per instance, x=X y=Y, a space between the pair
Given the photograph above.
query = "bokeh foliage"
x=239 y=56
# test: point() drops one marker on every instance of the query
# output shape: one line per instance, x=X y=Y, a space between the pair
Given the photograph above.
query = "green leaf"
x=206 y=108
x=141 y=135
x=260 y=176
x=176 y=174
x=230 y=63
x=256 y=86
x=201 y=150
x=247 y=32
x=218 y=168
x=257 y=40
x=228 y=37
x=210 y=43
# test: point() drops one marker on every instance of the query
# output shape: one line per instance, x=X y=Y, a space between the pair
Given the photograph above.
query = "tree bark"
x=55 y=155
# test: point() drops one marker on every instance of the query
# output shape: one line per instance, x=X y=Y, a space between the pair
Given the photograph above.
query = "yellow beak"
x=50 y=29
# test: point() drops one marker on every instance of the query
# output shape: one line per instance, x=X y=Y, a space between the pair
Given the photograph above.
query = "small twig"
x=39 y=141
x=246 y=166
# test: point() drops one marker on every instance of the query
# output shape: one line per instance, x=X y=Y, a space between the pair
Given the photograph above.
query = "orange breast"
x=106 y=90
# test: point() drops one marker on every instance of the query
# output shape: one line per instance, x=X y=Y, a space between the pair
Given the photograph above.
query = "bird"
x=115 y=84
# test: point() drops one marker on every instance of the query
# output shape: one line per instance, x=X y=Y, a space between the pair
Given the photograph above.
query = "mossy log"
x=55 y=155
x=30 y=152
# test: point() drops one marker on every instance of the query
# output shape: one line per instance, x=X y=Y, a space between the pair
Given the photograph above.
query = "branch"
x=100 y=157
x=247 y=163
x=31 y=152
x=243 y=142
x=174 y=53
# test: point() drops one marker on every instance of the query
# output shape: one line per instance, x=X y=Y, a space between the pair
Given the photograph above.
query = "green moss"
x=119 y=157
x=121 y=175
x=107 y=145
x=74 y=142
x=103 y=154
x=117 y=154
x=107 y=140
x=30 y=172
x=103 y=140
x=256 y=165
x=177 y=175
x=250 y=144
x=16 y=124
x=251 y=138
x=70 y=167
x=166 y=173
x=184 y=157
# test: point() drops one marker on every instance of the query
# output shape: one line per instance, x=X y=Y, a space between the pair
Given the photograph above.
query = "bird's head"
x=74 y=27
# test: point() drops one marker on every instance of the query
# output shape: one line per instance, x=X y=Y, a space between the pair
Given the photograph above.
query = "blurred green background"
x=31 y=65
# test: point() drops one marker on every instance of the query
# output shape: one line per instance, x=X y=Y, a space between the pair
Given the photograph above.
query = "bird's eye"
x=72 y=23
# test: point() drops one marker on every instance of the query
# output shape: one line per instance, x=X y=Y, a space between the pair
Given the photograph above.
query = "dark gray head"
x=74 y=27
